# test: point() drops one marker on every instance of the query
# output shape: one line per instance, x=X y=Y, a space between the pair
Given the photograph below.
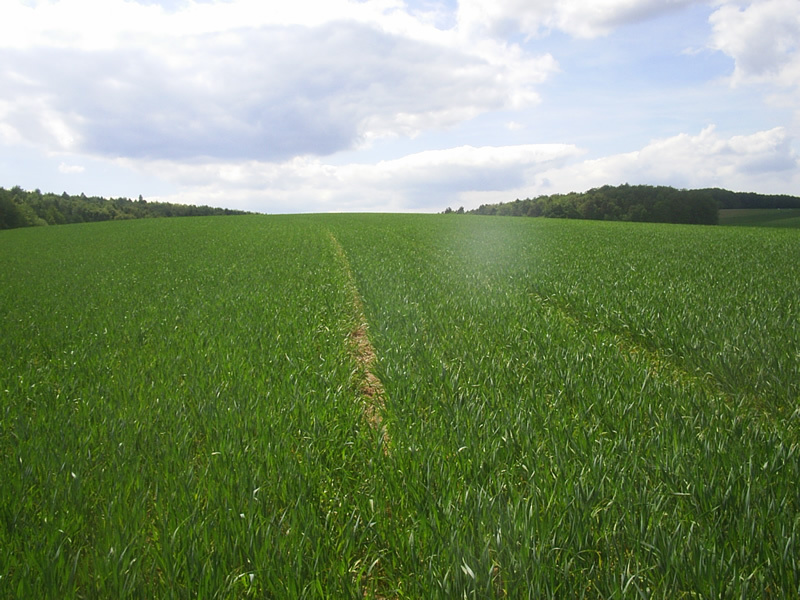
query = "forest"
x=654 y=204
x=21 y=208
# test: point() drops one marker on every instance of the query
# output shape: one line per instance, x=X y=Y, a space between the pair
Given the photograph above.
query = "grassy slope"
x=573 y=407
x=768 y=217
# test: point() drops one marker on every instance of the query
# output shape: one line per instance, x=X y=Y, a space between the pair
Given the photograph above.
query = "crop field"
x=760 y=217
x=399 y=406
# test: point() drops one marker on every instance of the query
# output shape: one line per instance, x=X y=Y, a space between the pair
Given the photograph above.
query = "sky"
x=396 y=105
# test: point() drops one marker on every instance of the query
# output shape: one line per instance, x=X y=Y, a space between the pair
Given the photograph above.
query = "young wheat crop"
x=576 y=409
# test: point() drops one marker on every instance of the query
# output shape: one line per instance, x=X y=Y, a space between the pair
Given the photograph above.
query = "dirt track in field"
x=370 y=388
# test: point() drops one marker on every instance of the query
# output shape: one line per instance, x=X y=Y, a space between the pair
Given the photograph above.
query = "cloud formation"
x=69 y=169
x=317 y=105
x=579 y=18
x=706 y=159
x=763 y=38
x=267 y=91
x=470 y=176
x=425 y=181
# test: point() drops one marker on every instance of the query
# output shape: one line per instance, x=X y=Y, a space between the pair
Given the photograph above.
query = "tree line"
x=646 y=203
x=21 y=208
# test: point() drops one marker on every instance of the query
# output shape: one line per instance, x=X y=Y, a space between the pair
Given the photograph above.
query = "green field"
x=760 y=217
x=571 y=409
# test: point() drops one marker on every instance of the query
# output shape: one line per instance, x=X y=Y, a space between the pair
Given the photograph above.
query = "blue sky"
x=385 y=105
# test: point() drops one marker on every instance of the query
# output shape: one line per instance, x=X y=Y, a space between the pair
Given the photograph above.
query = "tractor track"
x=369 y=387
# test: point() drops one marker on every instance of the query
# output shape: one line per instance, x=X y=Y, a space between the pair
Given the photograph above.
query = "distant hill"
x=655 y=204
x=20 y=208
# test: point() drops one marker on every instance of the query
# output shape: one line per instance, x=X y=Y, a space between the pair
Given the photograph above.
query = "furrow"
x=660 y=364
x=369 y=386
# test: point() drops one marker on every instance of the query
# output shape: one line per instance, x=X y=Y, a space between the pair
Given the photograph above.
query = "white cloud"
x=288 y=107
x=31 y=119
x=426 y=181
x=8 y=133
x=432 y=180
x=763 y=38
x=763 y=162
x=579 y=18
x=68 y=169
x=245 y=79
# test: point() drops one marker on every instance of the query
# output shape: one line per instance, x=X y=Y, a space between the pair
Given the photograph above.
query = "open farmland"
x=571 y=409
x=765 y=217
